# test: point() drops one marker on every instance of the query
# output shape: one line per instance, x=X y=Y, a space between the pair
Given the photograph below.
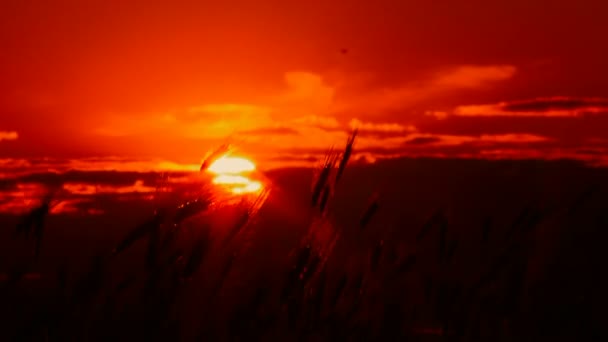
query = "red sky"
x=170 y=79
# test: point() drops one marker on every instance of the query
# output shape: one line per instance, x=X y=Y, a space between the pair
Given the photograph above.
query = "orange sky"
x=170 y=79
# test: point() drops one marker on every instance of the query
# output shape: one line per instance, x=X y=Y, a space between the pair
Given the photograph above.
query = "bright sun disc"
x=230 y=173
x=231 y=165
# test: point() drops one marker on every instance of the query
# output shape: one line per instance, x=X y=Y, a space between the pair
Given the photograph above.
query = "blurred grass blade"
x=139 y=232
x=346 y=155
x=198 y=253
x=369 y=212
x=328 y=165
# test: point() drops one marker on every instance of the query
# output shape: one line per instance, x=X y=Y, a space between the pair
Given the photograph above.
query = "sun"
x=234 y=174
x=231 y=165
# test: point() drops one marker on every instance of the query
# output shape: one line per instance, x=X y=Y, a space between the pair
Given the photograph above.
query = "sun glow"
x=233 y=173
x=231 y=165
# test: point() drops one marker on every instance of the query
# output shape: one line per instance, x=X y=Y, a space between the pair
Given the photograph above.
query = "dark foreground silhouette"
x=402 y=250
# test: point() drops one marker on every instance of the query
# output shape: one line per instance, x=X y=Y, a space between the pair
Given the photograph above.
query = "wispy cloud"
x=307 y=93
x=445 y=82
x=380 y=127
x=541 y=107
x=474 y=76
x=484 y=139
x=324 y=122
x=19 y=167
x=8 y=135
x=79 y=192
x=308 y=102
x=266 y=131
x=311 y=114
x=90 y=189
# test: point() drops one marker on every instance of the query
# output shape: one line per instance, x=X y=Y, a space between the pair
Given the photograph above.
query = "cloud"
x=127 y=124
x=212 y=121
x=423 y=140
x=102 y=165
x=308 y=89
x=474 y=76
x=558 y=103
x=8 y=135
x=217 y=121
x=304 y=101
x=75 y=198
x=309 y=116
x=483 y=139
x=20 y=197
x=513 y=138
x=437 y=114
x=541 y=107
x=308 y=107
x=323 y=122
x=227 y=109
x=425 y=144
x=380 y=127
x=81 y=192
x=307 y=99
x=568 y=122
x=485 y=146
x=265 y=131
x=92 y=188
x=76 y=206
x=449 y=81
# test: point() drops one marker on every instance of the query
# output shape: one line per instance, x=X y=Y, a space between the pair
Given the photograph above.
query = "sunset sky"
x=168 y=80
